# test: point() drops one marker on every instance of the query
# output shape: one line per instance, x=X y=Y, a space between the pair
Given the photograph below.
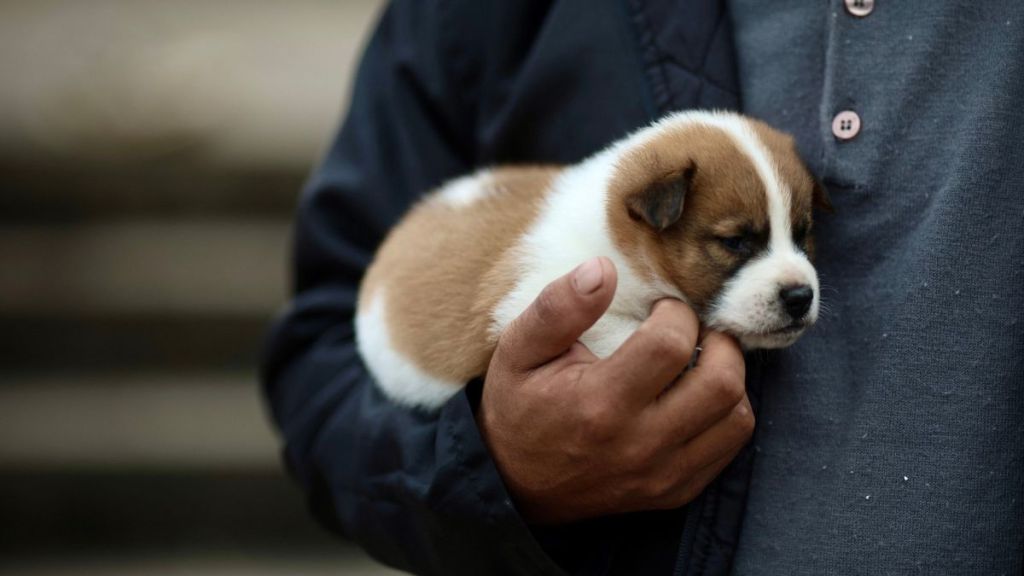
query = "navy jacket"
x=446 y=87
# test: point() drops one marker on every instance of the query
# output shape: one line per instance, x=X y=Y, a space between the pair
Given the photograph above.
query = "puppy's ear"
x=820 y=196
x=661 y=203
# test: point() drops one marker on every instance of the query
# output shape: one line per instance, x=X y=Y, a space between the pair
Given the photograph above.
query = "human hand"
x=575 y=436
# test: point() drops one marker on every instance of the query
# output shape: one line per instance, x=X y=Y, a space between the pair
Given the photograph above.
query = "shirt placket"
x=843 y=113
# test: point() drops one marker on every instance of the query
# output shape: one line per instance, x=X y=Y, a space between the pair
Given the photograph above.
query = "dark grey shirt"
x=891 y=438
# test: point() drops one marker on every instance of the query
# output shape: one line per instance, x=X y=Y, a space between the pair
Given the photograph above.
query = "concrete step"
x=239 y=82
x=41 y=191
x=151 y=162
x=147 y=421
x=152 y=474
x=83 y=521
x=126 y=511
x=196 y=266
x=73 y=345
x=348 y=563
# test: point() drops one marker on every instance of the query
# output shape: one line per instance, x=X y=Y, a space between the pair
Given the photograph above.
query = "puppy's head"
x=720 y=207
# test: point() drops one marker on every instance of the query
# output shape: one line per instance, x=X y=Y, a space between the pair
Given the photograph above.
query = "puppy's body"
x=700 y=207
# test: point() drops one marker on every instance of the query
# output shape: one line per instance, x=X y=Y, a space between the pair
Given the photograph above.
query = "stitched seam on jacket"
x=633 y=37
x=458 y=65
x=653 y=58
x=687 y=540
x=700 y=72
x=674 y=62
x=536 y=565
x=705 y=530
x=707 y=52
x=473 y=480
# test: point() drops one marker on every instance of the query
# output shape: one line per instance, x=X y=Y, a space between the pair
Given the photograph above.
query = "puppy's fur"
x=711 y=208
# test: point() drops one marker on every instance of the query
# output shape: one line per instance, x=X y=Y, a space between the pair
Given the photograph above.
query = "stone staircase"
x=148 y=173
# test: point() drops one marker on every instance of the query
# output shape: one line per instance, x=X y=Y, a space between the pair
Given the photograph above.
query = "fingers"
x=723 y=438
x=700 y=460
x=699 y=481
x=706 y=393
x=656 y=353
x=563 y=311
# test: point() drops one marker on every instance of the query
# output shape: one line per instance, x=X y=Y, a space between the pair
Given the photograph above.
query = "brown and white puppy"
x=710 y=208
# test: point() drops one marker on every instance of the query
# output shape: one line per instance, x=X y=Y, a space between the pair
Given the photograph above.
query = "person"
x=888 y=439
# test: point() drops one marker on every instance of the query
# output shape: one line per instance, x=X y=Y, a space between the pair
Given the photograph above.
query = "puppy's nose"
x=797 y=300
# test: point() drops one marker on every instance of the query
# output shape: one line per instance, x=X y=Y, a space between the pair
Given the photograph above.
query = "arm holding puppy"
x=419 y=491
x=575 y=436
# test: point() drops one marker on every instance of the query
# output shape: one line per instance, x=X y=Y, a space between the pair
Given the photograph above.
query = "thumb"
x=563 y=311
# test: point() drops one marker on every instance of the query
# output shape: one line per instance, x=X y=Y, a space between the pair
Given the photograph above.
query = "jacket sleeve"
x=418 y=491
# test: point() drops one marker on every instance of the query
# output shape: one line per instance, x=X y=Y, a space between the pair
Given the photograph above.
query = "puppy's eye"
x=739 y=244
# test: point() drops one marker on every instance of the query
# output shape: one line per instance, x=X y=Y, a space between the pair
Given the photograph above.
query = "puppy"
x=711 y=208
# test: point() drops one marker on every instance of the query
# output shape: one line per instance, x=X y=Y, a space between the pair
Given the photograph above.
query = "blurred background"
x=151 y=153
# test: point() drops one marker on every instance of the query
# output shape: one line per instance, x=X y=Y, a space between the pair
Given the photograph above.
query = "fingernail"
x=589 y=276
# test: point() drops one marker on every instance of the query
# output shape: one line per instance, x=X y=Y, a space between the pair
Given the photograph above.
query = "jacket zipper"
x=683 y=557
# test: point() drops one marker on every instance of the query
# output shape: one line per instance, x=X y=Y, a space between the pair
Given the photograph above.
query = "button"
x=860 y=8
x=846 y=125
